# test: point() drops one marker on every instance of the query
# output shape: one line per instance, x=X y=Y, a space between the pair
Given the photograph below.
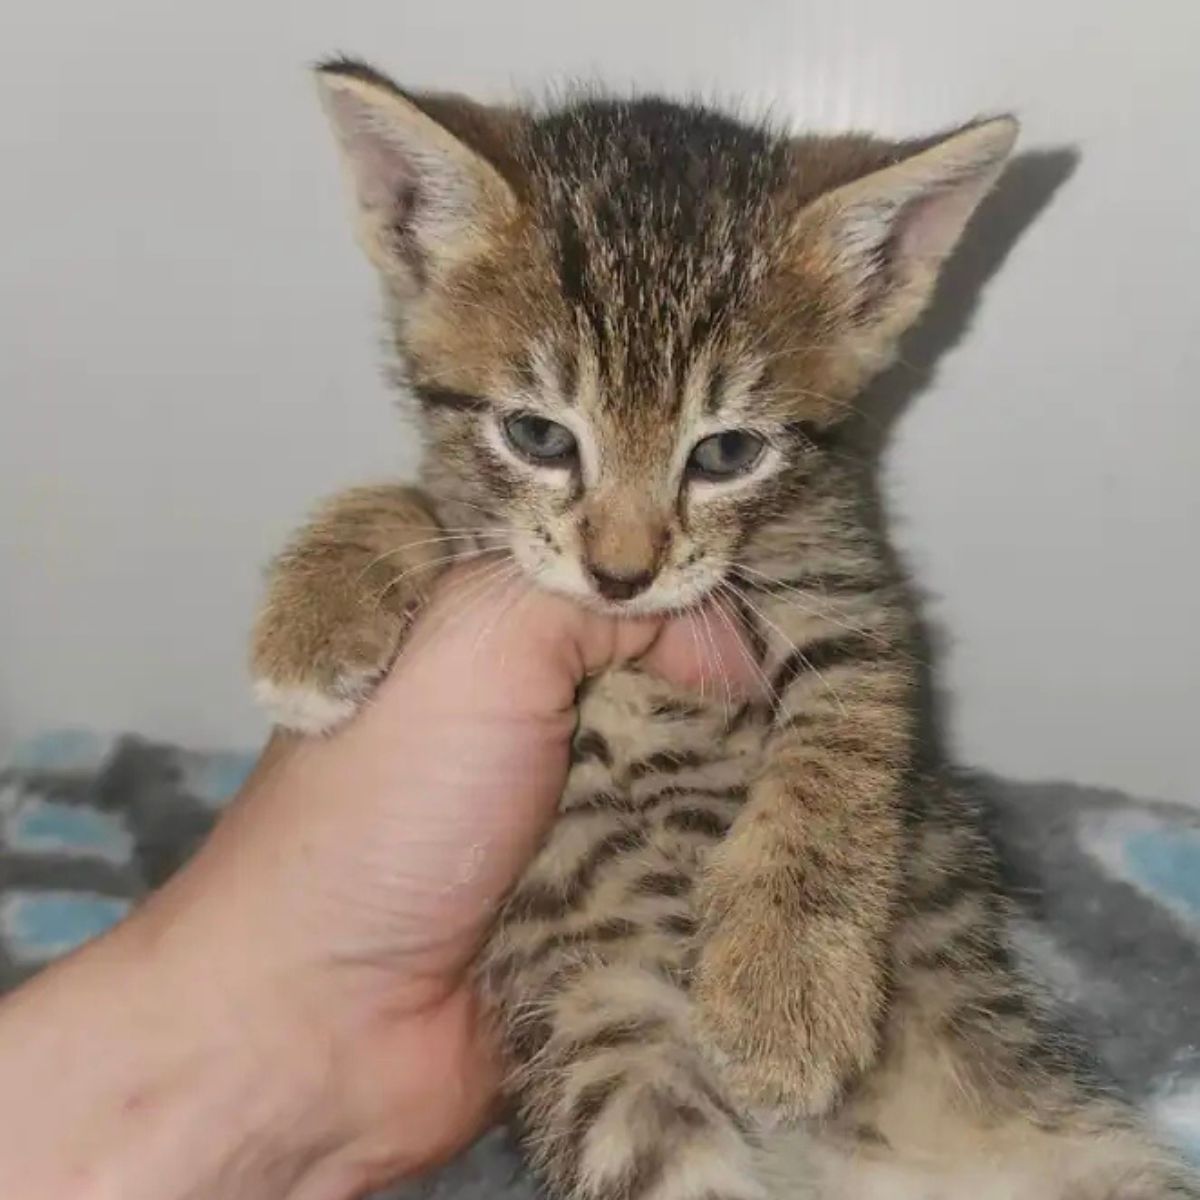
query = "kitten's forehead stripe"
x=574 y=276
x=434 y=398
x=715 y=392
x=657 y=213
x=568 y=375
x=525 y=371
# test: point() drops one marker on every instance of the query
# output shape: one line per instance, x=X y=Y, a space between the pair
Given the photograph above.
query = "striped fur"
x=763 y=952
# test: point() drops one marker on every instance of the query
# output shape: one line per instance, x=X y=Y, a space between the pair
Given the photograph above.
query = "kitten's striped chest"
x=640 y=739
x=657 y=779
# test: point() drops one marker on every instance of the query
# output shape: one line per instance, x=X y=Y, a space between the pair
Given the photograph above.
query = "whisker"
x=690 y=617
x=464 y=556
x=468 y=599
x=496 y=582
x=501 y=613
x=502 y=518
x=751 y=660
x=522 y=599
x=432 y=541
x=788 y=642
x=437 y=525
x=777 y=589
x=720 y=663
x=706 y=661
x=472 y=593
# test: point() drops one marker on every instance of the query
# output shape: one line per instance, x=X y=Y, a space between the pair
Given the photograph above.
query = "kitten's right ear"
x=426 y=200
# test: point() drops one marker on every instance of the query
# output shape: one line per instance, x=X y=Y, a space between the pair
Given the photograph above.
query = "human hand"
x=325 y=932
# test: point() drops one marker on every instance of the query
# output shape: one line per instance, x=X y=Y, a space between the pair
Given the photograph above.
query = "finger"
x=707 y=650
x=512 y=644
x=527 y=650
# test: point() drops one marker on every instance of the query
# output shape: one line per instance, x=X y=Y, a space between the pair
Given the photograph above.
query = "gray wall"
x=187 y=349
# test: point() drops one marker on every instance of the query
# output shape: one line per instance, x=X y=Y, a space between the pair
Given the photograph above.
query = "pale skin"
x=292 y=1016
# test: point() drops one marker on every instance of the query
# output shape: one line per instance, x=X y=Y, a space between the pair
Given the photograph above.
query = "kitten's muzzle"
x=623 y=543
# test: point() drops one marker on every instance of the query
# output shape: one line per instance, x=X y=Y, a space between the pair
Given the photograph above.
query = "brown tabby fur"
x=763 y=952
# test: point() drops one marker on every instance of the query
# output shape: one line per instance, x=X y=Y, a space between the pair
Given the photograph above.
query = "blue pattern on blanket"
x=40 y=925
x=1109 y=889
x=44 y=827
x=89 y=823
x=1167 y=863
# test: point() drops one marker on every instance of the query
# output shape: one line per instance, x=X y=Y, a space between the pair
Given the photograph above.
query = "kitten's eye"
x=540 y=440
x=724 y=455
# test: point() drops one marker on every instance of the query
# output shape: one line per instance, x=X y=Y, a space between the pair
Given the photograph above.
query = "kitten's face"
x=631 y=325
x=646 y=513
x=637 y=500
x=629 y=403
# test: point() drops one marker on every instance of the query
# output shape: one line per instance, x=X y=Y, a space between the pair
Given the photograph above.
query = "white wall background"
x=187 y=355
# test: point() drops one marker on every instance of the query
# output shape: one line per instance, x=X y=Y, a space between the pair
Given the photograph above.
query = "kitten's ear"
x=883 y=238
x=426 y=199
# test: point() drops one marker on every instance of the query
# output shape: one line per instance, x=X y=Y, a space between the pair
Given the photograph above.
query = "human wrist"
x=127 y=1077
x=340 y=1073
x=309 y=1073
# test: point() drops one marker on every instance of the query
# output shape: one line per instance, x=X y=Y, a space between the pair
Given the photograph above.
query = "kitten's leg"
x=615 y=1098
x=799 y=900
x=976 y=1094
x=339 y=599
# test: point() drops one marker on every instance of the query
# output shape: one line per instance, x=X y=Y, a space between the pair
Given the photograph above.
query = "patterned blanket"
x=1108 y=888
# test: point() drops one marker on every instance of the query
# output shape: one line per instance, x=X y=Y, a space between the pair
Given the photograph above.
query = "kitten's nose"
x=624 y=586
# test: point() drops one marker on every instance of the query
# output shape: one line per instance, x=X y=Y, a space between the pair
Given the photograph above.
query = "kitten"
x=634 y=330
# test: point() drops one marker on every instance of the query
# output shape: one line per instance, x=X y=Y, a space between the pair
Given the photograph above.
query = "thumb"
x=516 y=649
x=505 y=647
x=707 y=650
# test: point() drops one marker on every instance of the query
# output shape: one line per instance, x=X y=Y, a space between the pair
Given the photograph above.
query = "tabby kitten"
x=762 y=952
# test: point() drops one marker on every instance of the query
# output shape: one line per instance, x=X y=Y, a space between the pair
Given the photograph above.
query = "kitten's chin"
x=674 y=597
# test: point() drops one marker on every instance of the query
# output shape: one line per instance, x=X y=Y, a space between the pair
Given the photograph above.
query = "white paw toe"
x=303 y=709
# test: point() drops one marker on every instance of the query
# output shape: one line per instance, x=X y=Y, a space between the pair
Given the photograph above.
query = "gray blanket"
x=1108 y=889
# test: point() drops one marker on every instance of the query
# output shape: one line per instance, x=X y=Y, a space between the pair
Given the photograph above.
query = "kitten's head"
x=632 y=325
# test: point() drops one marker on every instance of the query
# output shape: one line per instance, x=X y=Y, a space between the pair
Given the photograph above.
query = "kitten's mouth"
x=664 y=594
x=645 y=604
x=637 y=607
x=653 y=602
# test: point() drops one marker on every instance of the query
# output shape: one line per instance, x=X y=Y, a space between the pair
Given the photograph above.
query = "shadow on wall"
x=1022 y=194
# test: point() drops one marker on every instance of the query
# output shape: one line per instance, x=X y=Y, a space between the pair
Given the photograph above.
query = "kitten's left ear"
x=883 y=238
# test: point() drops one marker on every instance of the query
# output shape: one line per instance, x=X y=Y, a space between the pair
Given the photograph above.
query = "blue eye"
x=539 y=439
x=725 y=455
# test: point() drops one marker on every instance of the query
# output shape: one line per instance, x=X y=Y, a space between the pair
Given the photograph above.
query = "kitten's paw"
x=339 y=601
x=312 y=685
x=786 y=1001
x=302 y=708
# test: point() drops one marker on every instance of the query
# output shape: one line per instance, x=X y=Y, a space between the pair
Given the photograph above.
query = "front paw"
x=339 y=601
x=788 y=998
x=311 y=680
